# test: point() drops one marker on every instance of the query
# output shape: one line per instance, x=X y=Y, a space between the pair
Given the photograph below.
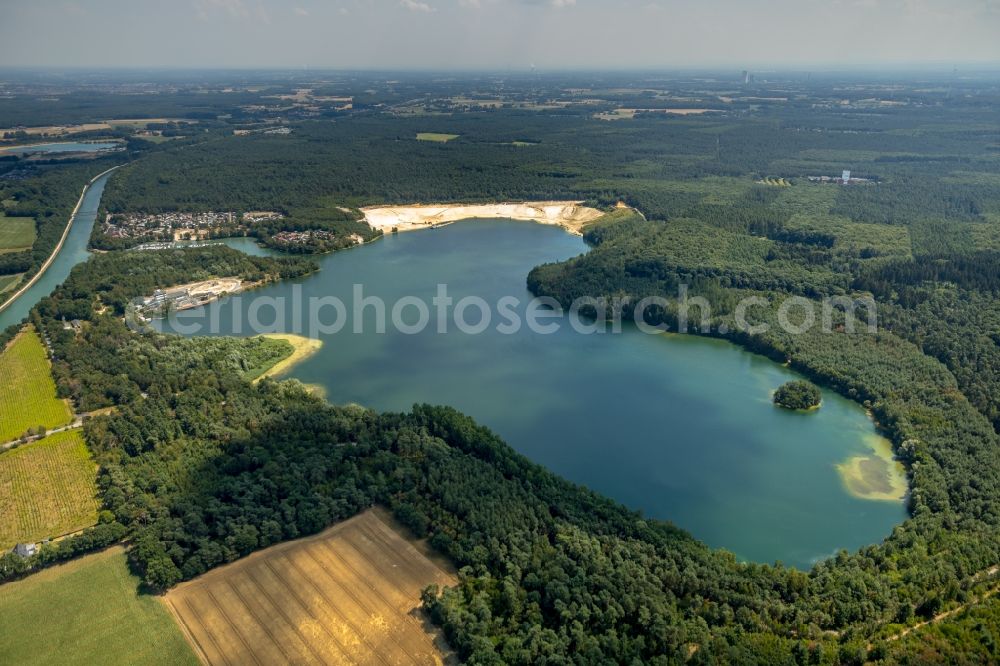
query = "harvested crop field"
x=350 y=594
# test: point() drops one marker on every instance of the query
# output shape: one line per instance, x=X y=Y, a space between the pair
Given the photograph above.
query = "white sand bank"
x=567 y=214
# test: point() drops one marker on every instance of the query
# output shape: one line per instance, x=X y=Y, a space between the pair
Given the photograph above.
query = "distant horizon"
x=759 y=68
x=499 y=35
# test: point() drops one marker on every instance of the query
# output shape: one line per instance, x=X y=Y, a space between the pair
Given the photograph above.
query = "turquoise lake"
x=679 y=427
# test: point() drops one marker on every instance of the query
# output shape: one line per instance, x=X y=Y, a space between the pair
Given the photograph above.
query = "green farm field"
x=28 y=393
x=47 y=489
x=436 y=137
x=88 y=611
x=16 y=233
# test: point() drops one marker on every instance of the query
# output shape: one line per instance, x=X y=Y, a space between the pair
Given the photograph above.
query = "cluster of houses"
x=169 y=245
x=179 y=226
x=302 y=237
x=172 y=226
x=310 y=237
x=252 y=216
x=159 y=231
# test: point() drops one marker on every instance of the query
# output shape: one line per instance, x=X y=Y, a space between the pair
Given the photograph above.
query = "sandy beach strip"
x=570 y=215
x=302 y=348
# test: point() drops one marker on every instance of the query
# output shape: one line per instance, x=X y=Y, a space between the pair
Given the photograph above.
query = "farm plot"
x=27 y=392
x=437 y=137
x=87 y=611
x=16 y=233
x=347 y=595
x=47 y=489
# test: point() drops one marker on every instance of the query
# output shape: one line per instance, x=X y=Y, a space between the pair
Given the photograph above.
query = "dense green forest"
x=202 y=467
x=665 y=168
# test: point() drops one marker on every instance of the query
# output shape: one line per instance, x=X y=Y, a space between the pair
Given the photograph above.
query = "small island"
x=798 y=395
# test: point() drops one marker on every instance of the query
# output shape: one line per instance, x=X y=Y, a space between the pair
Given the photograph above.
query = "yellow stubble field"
x=349 y=595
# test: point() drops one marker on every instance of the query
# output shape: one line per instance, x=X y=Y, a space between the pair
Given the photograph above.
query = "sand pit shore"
x=570 y=215
x=302 y=348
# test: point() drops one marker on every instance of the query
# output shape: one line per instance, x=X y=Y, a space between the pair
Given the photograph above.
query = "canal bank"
x=71 y=249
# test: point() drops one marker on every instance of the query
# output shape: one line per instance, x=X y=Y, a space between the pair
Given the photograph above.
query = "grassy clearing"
x=46 y=489
x=436 y=137
x=809 y=206
x=8 y=282
x=16 y=233
x=807 y=199
x=27 y=392
x=87 y=612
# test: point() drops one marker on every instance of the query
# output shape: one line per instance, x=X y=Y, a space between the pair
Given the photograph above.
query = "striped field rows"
x=347 y=596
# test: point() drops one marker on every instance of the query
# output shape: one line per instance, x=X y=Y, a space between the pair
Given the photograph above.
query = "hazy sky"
x=496 y=34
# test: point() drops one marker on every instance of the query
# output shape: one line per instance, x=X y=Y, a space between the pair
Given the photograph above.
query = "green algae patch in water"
x=878 y=477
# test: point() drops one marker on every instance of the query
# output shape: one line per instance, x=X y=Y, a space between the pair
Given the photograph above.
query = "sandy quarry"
x=569 y=215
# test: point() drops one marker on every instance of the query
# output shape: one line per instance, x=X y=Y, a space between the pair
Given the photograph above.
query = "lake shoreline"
x=302 y=348
x=657 y=473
